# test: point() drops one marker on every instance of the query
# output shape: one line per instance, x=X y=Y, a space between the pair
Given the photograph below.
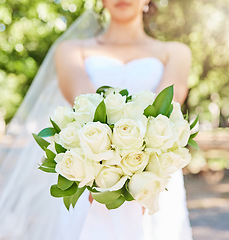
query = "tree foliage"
x=27 y=30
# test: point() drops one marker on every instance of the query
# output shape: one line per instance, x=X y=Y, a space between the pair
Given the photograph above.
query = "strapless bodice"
x=136 y=75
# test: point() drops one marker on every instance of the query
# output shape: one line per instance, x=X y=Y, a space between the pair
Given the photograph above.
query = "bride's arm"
x=179 y=59
x=72 y=78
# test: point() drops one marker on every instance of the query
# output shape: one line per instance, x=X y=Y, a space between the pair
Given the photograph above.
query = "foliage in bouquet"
x=120 y=147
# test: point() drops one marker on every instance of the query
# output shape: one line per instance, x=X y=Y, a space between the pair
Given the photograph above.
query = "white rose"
x=62 y=116
x=185 y=155
x=135 y=112
x=176 y=114
x=169 y=162
x=95 y=140
x=183 y=131
x=71 y=165
x=75 y=167
x=145 y=188
x=114 y=90
x=85 y=106
x=160 y=134
x=128 y=134
x=134 y=162
x=69 y=136
x=115 y=160
x=144 y=98
x=114 y=106
x=110 y=179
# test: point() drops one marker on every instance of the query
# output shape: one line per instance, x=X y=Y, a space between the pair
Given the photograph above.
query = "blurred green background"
x=28 y=29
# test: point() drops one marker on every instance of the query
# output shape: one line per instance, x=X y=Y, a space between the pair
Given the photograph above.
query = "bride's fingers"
x=90 y=198
x=143 y=210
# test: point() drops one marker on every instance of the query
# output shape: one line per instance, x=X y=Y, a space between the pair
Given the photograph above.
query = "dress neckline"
x=121 y=62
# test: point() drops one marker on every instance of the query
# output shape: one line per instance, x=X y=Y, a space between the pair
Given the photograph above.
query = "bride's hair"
x=153 y=9
x=148 y=16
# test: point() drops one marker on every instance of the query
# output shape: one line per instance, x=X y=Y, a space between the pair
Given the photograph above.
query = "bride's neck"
x=125 y=32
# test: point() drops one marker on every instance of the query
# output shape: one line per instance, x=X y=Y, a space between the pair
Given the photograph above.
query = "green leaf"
x=55 y=126
x=163 y=100
x=59 y=148
x=67 y=202
x=50 y=155
x=41 y=142
x=126 y=193
x=150 y=111
x=57 y=192
x=47 y=132
x=47 y=169
x=186 y=116
x=195 y=122
x=128 y=99
x=194 y=135
x=91 y=189
x=169 y=111
x=111 y=126
x=193 y=143
x=124 y=92
x=64 y=183
x=100 y=113
x=72 y=200
x=102 y=89
x=77 y=195
x=48 y=163
x=116 y=204
x=107 y=197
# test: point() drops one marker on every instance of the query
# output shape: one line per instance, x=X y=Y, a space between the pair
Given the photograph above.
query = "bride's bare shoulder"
x=72 y=46
x=178 y=50
x=173 y=48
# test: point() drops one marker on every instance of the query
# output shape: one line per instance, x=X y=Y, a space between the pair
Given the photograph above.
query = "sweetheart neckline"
x=124 y=63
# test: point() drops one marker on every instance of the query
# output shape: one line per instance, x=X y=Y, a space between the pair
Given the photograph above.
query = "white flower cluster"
x=129 y=147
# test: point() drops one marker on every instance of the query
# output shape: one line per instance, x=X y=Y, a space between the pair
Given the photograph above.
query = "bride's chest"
x=137 y=74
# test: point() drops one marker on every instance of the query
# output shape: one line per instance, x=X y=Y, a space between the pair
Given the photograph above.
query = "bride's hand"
x=143 y=210
x=90 y=198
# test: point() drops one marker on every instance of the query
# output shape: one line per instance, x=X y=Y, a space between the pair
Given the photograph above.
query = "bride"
x=124 y=56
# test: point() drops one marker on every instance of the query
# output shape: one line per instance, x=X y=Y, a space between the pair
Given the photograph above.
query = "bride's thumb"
x=90 y=198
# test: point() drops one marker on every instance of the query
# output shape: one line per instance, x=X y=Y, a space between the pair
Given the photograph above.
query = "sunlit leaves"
x=100 y=113
x=27 y=31
x=162 y=104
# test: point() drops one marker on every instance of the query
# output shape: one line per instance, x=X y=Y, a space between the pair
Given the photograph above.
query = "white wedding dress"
x=127 y=222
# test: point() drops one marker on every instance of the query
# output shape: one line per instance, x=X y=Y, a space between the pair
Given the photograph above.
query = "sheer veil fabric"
x=26 y=209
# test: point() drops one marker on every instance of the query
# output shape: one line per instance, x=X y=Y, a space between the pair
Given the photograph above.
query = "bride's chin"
x=123 y=18
x=123 y=15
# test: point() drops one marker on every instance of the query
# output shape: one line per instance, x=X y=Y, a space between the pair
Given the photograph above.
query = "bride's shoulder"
x=172 y=51
x=72 y=46
x=174 y=48
x=178 y=50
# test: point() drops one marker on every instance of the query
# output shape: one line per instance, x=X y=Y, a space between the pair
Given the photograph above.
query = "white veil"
x=27 y=211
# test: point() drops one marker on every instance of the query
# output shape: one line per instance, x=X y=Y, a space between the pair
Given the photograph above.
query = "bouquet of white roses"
x=120 y=147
